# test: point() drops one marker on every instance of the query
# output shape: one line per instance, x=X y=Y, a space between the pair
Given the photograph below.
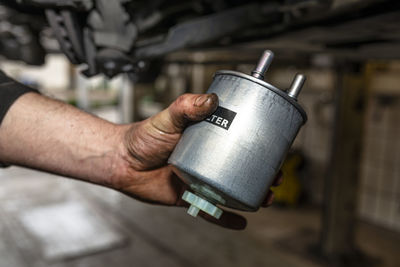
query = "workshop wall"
x=379 y=200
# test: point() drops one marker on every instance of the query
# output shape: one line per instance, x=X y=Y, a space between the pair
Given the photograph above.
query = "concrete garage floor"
x=46 y=220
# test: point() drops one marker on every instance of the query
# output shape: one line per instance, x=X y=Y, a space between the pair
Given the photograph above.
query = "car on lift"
x=132 y=36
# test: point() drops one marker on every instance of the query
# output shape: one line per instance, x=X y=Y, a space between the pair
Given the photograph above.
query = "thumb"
x=185 y=109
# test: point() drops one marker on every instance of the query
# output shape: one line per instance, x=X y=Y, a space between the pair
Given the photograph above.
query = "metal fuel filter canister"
x=231 y=157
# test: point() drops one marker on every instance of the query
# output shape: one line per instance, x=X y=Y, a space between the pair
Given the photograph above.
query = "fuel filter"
x=232 y=157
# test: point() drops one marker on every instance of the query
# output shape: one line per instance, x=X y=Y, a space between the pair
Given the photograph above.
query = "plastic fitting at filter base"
x=197 y=203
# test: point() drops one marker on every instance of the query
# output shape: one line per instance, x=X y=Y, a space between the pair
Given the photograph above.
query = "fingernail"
x=201 y=100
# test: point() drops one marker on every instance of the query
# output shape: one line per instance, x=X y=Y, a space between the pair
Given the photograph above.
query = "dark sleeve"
x=10 y=90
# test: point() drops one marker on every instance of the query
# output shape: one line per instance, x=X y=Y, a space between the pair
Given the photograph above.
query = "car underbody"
x=128 y=36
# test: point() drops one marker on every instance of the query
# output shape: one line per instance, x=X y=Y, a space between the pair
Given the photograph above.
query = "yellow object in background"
x=289 y=191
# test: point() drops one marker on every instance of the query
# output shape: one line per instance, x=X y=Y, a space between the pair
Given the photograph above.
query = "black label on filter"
x=222 y=117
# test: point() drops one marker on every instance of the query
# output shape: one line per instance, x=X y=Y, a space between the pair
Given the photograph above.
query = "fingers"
x=187 y=108
x=269 y=199
x=278 y=179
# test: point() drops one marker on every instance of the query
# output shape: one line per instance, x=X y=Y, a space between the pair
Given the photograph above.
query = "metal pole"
x=342 y=179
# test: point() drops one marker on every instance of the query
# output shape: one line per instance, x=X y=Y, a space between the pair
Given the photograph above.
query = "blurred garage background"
x=339 y=204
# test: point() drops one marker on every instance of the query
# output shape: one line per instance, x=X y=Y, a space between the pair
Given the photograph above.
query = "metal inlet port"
x=296 y=86
x=263 y=64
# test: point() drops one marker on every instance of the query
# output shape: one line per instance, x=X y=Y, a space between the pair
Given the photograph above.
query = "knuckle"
x=183 y=98
x=182 y=101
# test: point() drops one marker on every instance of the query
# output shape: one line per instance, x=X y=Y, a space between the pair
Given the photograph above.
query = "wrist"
x=121 y=166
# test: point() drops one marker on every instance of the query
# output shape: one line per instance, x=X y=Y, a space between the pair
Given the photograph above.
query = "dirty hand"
x=148 y=145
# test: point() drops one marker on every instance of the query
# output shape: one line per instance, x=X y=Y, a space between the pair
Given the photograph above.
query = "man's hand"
x=148 y=145
x=45 y=134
